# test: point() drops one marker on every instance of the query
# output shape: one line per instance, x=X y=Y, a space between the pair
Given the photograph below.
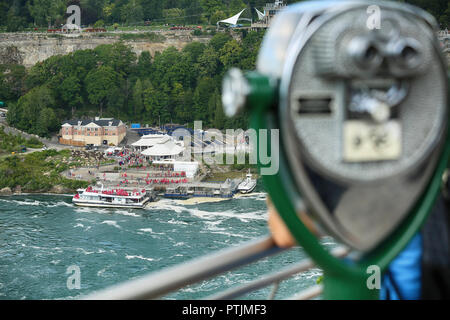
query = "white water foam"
x=229 y=234
x=179 y=244
x=150 y=230
x=112 y=223
x=253 y=196
x=165 y=204
x=89 y=252
x=244 y=217
x=60 y=204
x=38 y=203
x=28 y=203
x=139 y=257
x=80 y=225
x=213 y=225
x=126 y=213
x=173 y=221
x=90 y=210
x=169 y=205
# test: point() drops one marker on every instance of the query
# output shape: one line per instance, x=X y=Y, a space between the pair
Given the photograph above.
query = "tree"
x=236 y=6
x=132 y=12
x=12 y=82
x=193 y=51
x=100 y=84
x=193 y=12
x=70 y=91
x=45 y=11
x=118 y=56
x=144 y=65
x=107 y=11
x=250 y=45
x=99 y=24
x=46 y=122
x=27 y=114
x=138 y=99
x=230 y=54
x=92 y=10
x=219 y=40
x=156 y=103
x=219 y=116
x=201 y=98
x=211 y=6
x=217 y=16
x=444 y=20
x=173 y=15
x=207 y=62
x=175 y=85
x=14 y=23
x=152 y=9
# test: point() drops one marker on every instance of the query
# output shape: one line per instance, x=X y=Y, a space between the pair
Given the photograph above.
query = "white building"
x=165 y=148
x=190 y=168
x=150 y=140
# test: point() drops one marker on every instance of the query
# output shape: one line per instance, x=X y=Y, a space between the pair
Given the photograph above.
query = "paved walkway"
x=50 y=143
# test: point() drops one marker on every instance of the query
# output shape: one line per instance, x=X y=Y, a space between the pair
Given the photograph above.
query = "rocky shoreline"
x=56 y=190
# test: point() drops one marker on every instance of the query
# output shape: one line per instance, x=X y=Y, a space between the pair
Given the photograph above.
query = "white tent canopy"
x=167 y=149
x=151 y=140
x=260 y=14
x=233 y=20
x=112 y=150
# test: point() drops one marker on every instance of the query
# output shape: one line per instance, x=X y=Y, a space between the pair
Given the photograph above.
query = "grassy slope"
x=37 y=172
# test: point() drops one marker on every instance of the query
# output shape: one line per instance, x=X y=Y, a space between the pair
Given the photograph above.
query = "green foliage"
x=173 y=15
x=101 y=84
x=217 y=16
x=46 y=12
x=36 y=172
x=132 y=12
x=99 y=24
x=12 y=82
x=13 y=143
x=14 y=23
x=111 y=81
x=19 y=14
x=33 y=113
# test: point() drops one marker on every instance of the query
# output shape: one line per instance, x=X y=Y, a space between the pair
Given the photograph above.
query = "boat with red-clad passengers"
x=111 y=198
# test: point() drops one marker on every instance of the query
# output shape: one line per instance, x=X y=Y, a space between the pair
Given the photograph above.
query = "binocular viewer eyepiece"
x=362 y=110
x=403 y=55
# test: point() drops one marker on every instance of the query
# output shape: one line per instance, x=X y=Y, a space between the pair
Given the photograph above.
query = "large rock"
x=59 y=189
x=18 y=190
x=6 y=191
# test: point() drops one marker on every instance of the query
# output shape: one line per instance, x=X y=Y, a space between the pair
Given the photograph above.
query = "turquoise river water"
x=41 y=236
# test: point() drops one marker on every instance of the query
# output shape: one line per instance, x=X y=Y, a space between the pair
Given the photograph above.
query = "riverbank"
x=63 y=172
x=38 y=173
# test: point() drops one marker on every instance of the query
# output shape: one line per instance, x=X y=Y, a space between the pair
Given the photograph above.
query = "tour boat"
x=248 y=185
x=111 y=198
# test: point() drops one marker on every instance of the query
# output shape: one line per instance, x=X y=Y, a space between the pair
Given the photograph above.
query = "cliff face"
x=29 y=48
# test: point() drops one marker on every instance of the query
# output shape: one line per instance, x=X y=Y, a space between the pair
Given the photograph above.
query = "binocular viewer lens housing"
x=401 y=57
x=362 y=111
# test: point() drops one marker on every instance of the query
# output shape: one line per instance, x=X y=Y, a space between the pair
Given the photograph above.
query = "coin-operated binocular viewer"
x=358 y=91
